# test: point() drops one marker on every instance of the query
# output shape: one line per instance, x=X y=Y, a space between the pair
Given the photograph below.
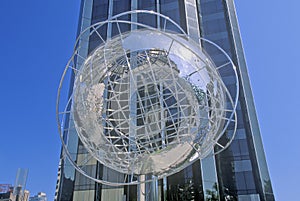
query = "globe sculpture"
x=146 y=101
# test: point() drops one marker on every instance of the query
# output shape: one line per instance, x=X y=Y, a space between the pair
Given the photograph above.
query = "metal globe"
x=147 y=102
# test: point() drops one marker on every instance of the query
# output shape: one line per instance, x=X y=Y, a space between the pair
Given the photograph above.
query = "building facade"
x=8 y=195
x=39 y=197
x=238 y=173
x=6 y=192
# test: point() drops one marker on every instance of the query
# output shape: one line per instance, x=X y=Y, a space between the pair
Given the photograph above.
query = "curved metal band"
x=114 y=19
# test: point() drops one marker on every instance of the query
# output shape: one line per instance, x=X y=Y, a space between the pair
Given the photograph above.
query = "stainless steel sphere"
x=147 y=101
x=144 y=102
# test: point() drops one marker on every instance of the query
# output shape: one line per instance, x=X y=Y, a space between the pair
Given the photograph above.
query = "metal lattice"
x=146 y=101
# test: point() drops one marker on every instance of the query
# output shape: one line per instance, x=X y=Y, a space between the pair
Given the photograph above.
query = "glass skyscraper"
x=238 y=173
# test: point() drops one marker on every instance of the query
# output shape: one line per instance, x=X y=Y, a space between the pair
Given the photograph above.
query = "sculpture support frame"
x=182 y=39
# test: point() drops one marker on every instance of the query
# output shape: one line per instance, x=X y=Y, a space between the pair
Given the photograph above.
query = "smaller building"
x=6 y=192
x=4 y=188
x=8 y=195
x=26 y=195
x=39 y=197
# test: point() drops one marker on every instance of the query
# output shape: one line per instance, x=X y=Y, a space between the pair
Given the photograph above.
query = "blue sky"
x=37 y=38
x=270 y=32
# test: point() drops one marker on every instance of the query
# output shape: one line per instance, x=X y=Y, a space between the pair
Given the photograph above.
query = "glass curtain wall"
x=237 y=167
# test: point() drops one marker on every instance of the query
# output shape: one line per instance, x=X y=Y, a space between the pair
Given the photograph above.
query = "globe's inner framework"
x=149 y=109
